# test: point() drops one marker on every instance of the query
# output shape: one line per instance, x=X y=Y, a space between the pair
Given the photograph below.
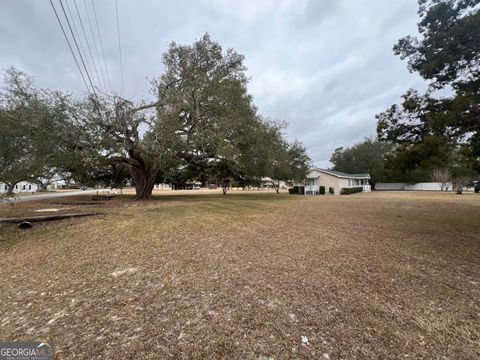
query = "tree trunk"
x=10 y=189
x=458 y=186
x=225 y=186
x=144 y=180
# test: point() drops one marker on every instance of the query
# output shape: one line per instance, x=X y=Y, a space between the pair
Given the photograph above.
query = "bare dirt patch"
x=377 y=276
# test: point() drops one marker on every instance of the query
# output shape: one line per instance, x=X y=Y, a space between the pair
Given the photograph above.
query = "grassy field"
x=246 y=276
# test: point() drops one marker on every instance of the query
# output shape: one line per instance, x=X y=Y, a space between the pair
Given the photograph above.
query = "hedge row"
x=298 y=190
x=348 y=191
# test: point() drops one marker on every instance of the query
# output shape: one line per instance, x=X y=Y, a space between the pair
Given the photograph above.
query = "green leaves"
x=430 y=129
x=30 y=119
x=369 y=156
x=209 y=119
x=202 y=125
x=448 y=50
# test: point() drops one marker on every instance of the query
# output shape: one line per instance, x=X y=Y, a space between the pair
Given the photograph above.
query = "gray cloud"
x=326 y=67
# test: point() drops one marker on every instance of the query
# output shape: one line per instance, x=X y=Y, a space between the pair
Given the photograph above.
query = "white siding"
x=23 y=186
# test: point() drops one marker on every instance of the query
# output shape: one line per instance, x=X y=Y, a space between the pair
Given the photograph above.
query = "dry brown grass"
x=368 y=276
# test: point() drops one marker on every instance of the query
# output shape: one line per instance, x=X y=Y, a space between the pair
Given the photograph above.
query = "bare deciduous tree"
x=442 y=176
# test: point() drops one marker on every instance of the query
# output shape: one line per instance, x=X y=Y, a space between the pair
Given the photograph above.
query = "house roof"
x=342 y=174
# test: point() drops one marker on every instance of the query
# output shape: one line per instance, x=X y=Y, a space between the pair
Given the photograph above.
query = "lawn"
x=248 y=276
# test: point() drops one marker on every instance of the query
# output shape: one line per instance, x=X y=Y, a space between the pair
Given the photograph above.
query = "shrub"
x=331 y=190
x=322 y=190
x=297 y=190
x=348 y=191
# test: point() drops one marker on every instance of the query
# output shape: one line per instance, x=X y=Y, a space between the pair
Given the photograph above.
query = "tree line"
x=436 y=134
x=201 y=126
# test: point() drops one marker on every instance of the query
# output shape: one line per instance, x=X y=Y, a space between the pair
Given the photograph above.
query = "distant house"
x=334 y=181
x=22 y=186
x=163 y=186
x=269 y=183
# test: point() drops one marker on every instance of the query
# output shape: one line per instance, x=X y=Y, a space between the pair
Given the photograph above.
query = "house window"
x=16 y=187
x=29 y=187
x=23 y=187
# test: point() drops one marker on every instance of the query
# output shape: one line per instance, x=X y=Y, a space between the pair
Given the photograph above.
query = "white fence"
x=424 y=186
x=390 y=186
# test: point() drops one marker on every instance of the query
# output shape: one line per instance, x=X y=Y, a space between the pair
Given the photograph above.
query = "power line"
x=119 y=47
x=69 y=45
x=88 y=45
x=95 y=46
x=101 y=43
x=82 y=49
x=76 y=45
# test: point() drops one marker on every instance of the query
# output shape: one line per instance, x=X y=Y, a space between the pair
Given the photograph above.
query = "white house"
x=269 y=183
x=334 y=180
x=22 y=186
x=163 y=186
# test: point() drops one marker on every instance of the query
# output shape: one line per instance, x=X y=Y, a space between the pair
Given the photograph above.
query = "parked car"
x=476 y=187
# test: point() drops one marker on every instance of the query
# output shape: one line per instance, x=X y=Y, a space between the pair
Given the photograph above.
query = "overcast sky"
x=324 y=66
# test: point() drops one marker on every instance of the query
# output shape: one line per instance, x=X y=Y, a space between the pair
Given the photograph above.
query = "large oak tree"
x=201 y=125
x=430 y=127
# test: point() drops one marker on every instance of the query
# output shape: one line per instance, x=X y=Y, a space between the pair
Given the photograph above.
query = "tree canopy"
x=30 y=148
x=369 y=156
x=201 y=125
x=428 y=127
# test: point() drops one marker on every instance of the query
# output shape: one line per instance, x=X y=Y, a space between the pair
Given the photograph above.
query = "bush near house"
x=331 y=190
x=476 y=187
x=322 y=190
x=348 y=191
x=297 y=190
